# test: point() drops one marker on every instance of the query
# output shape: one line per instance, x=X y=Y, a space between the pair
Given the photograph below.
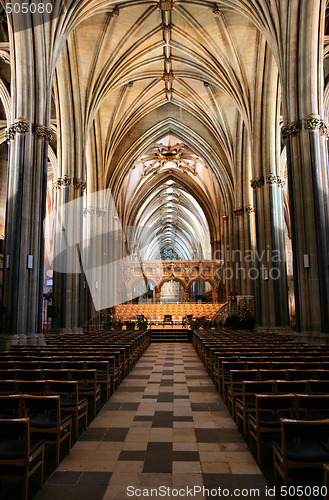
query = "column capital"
x=324 y=129
x=21 y=126
x=249 y=210
x=271 y=179
x=312 y=122
x=41 y=132
x=238 y=211
x=80 y=184
x=291 y=129
x=165 y=5
x=10 y=133
x=64 y=181
x=257 y=182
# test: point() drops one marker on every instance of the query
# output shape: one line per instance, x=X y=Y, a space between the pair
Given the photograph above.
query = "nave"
x=164 y=426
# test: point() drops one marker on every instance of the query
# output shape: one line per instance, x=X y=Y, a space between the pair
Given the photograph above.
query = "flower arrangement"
x=246 y=316
x=244 y=320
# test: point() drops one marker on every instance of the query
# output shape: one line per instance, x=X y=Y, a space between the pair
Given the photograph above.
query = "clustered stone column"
x=307 y=156
x=24 y=246
x=68 y=272
x=270 y=258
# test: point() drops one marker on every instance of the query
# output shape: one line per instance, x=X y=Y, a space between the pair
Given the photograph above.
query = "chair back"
x=11 y=406
x=42 y=404
x=305 y=430
x=312 y=404
x=286 y=386
x=7 y=387
x=274 y=402
x=36 y=387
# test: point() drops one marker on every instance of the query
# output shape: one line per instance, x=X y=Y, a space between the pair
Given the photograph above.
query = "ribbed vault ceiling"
x=140 y=74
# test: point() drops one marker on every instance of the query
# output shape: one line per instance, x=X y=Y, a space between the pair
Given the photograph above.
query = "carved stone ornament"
x=42 y=132
x=165 y=5
x=115 y=12
x=216 y=11
x=168 y=76
x=291 y=129
x=250 y=209
x=271 y=179
x=10 y=133
x=101 y=212
x=238 y=211
x=312 y=122
x=166 y=28
x=89 y=211
x=324 y=129
x=280 y=182
x=80 y=184
x=66 y=181
x=257 y=182
x=21 y=126
x=57 y=184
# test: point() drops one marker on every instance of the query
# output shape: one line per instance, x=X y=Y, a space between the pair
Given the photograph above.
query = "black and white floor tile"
x=164 y=433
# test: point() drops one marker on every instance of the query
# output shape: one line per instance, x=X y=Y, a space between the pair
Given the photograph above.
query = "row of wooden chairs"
x=73 y=401
x=44 y=390
x=243 y=398
x=264 y=422
x=279 y=399
x=302 y=446
x=107 y=375
x=46 y=419
x=19 y=453
x=88 y=384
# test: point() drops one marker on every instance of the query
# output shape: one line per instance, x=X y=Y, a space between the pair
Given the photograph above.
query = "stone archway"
x=168 y=280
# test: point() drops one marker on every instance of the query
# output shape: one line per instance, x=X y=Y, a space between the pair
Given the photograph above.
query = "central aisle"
x=165 y=426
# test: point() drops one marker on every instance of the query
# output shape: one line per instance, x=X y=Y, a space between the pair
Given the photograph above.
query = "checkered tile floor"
x=165 y=427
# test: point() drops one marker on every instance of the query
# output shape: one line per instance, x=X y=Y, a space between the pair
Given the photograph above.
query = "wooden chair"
x=70 y=400
x=56 y=374
x=28 y=374
x=88 y=386
x=319 y=386
x=246 y=404
x=312 y=406
x=7 y=387
x=286 y=386
x=225 y=374
x=46 y=420
x=11 y=406
x=265 y=424
x=104 y=377
x=303 y=445
x=273 y=374
x=234 y=390
x=19 y=454
x=35 y=387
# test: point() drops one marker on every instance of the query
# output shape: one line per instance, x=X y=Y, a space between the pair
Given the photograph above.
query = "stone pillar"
x=68 y=269
x=227 y=255
x=270 y=252
x=24 y=247
x=308 y=196
x=271 y=285
x=305 y=135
